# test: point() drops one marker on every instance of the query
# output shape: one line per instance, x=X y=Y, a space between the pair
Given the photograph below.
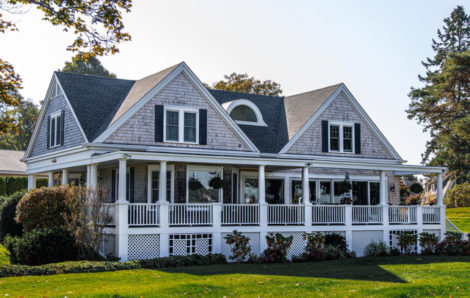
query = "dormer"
x=244 y=112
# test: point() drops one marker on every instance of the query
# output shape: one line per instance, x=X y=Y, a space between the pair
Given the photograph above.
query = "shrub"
x=43 y=208
x=277 y=248
x=14 y=184
x=376 y=249
x=8 y=225
x=41 y=182
x=407 y=240
x=239 y=246
x=42 y=246
x=453 y=248
x=428 y=242
x=336 y=240
x=458 y=196
x=413 y=200
x=3 y=186
x=453 y=236
x=87 y=266
x=416 y=187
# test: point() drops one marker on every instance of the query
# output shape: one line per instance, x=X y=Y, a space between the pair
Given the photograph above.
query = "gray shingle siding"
x=340 y=110
x=140 y=128
x=72 y=134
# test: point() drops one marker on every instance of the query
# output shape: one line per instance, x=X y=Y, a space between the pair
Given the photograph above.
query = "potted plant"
x=216 y=182
x=345 y=201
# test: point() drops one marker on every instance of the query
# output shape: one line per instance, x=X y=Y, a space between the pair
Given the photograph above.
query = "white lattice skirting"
x=394 y=240
x=146 y=246
x=189 y=244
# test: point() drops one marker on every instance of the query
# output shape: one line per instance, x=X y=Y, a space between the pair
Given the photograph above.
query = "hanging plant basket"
x=216 y=182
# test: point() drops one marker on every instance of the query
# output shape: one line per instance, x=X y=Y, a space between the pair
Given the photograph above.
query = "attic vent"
x=244 y=112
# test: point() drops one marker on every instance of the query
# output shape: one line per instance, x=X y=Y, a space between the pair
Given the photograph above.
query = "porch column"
x=383 y=189
x=263 y=209
x=164 y=210
x=440 y=203
x=94 y=177
x=50 y=178
x=306 y=197
x=88 y=173
x=65 y=176
x=121 y=212
x=384 y=204
x=31 y=182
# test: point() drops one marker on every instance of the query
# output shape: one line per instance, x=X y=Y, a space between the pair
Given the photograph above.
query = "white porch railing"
x=240 y=214
x=367 y=214
x=286 y=214
x=190 y=214
x=431 y=214
x=402 y=214
x=328 y=214
x=144 y=214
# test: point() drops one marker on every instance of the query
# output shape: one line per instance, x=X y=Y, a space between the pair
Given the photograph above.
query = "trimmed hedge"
x=8 y=225
x=88 y=266
x=11 y=184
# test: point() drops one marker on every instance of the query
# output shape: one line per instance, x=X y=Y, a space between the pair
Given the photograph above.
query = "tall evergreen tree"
x=87 y=65
x=442 y=104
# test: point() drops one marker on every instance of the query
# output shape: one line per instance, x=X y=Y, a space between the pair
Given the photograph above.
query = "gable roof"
x=270 y=138
x=95 y=100
x=301 y=107
x=10 y=162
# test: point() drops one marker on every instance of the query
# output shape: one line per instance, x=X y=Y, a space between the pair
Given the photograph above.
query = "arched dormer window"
x=244 y=112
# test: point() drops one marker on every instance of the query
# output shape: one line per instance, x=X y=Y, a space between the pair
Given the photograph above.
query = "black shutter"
x=62 y=127
x=48 y=131
x=158 y=123
x=113 y=185
x=202 y=127
x=131 y=185
x=324 y=136
x=357 y=137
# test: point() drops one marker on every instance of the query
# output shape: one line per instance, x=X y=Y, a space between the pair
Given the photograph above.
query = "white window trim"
x=152 y=168
x=181 y=110
x=200 y=168
x=341 y=135
x=268 y=175
x=55 y=116
x=229 y=106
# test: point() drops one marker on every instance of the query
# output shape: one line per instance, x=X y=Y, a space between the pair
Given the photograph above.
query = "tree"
x=97 y=25
x=245 y=84
x=442 y=104
x=90 y=66
x=24 y=116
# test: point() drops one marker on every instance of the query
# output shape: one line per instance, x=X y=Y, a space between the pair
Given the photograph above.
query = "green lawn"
x=460 y=217
x=392 y=276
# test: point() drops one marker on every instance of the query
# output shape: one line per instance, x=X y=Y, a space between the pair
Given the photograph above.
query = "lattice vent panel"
x=109 y=244
x=254 y=243
x=146 y=246
x=394 y=240
x=360 y=239
x=298 y=244
x=189 y=244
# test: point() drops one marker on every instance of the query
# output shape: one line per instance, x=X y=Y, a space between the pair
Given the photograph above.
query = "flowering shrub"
x=314 y=249
x=239 y=246
x=345 y=201
x=453 y=248
x=43 y=208
x=407 y=240
x=413 y=200
x=453 y=236
x=277 y=248
x=428 y=242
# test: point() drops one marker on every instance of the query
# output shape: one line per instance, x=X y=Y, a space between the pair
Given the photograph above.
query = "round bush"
x=8 y=225
x=376 y=249
x=336 y=240
x=416 y=187
x=458 y=196
x=42 y=246
x=43 y=208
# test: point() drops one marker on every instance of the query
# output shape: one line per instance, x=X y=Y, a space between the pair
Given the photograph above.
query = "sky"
x=374 y=47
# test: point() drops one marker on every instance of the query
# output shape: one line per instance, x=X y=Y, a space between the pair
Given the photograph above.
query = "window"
x=153 y=183
x=55 y=130
x=181 y=125
x=365 y=193
x=341 y=137
x=199 y=190
x=296 y=192
x=275 y=191
x=250 y=191
x=325 y=192
x=243 y=113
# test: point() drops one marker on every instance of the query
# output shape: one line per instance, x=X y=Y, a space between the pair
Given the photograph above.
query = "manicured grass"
x=392 y=276
x=460 y=217
x=4 y=256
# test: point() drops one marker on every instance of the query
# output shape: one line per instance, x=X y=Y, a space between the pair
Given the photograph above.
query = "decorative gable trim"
x=54 y=89
x=182 y=68
x=355 y=104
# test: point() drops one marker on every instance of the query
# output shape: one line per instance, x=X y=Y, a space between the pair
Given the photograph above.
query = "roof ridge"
x=251 y=94
x=319 y=89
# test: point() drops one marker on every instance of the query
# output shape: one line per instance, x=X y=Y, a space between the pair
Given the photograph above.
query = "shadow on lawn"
x=367 y=269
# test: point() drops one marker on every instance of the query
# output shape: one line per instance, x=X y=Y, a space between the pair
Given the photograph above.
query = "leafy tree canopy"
x=97 y=25
x=442 y=104
x=24 y=117
x=90 y=66
x=245 y=84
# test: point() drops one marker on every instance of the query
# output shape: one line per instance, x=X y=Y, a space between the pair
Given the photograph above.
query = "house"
x=11 y=164
x=183 y=166
x=430 y=187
